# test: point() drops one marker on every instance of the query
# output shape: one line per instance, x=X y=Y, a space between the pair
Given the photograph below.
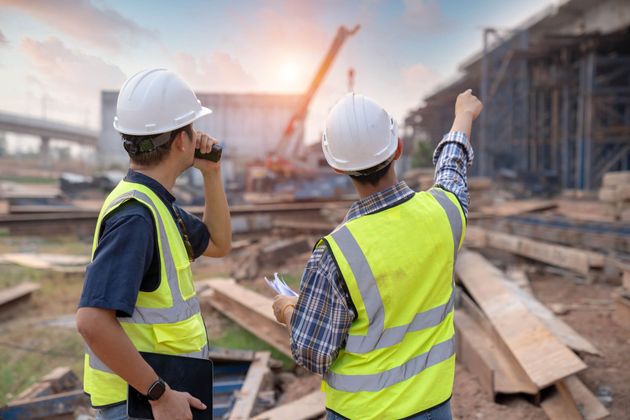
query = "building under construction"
x=556 y=94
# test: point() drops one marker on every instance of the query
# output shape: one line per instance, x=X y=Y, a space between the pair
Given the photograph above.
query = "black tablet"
x=185 y=374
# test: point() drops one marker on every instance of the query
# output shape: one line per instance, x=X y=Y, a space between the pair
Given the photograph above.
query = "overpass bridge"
x=47 y=130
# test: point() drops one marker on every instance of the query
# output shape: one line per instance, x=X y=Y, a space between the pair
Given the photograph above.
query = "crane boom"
x=342 y=34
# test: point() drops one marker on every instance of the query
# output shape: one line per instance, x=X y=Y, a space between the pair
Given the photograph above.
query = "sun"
x=289 y=72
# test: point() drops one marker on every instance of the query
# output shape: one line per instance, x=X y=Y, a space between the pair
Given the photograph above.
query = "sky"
x=56 y=56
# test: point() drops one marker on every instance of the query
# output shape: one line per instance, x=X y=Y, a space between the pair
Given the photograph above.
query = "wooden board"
x=246 y=396
x=58 y=380
x=587 y=404
x=250 y=310
x=475 y=351
x=11 y=299
x=55 y=262
x=559 y=404
x=511 y=208
x=576 y=260
x=559 y=328
x=310 y=406
x=508 y=375
x=543 y=357
x=612 y=179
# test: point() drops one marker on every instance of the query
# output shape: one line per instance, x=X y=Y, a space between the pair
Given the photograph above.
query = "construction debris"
x=55 y=262
x=11 y=299
x=308 y=407
x=511 y=208
x=250 y=310
x=615 y=192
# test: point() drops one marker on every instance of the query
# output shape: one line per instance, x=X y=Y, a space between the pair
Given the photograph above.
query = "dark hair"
x=370 y=177
x=159 y=153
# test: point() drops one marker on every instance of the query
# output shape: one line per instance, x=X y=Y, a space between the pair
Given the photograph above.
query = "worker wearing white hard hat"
x=138 y=292
x=374 y=315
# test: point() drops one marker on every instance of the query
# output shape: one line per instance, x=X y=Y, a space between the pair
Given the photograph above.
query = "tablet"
x=185 y=374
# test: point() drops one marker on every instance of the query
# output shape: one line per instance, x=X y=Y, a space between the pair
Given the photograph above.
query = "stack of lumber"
x=615 y=192
x=481 y=192
x=588 y=264
x=56 y=394
x=13 y=298
x=513 y=348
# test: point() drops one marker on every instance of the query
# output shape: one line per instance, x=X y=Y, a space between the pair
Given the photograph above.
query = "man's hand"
x=467 y=103
x=283 y=307
x=204 y=143
x=175 y=405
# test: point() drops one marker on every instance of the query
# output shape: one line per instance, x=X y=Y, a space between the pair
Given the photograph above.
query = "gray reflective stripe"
x=378 y=336
x=180 y=312
x=97 y=364
x=364 y=278
x=454 y=218
x=394 y=335
x=378 y=381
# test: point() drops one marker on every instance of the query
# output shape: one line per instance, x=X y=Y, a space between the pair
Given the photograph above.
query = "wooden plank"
x=475 y=237
x=511 y=208
x=543 y=357
x=509 y=376
x=625 y=281
x=622 y=311
x=58 y=380
x=559 y=328
x=11 y=299
x=612 y=179
x=44 y=407
x=221 y=354
x=475 y=351
x=559 y=404
x=587 y=404
x=307 y=407
x=576 y=260
x=246 y=396
x=250 y=310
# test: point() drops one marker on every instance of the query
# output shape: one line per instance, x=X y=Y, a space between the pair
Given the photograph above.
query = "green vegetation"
x=234 y=337
x=28 y=179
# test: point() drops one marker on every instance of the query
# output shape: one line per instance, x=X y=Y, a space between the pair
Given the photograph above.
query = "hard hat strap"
x=146 y=144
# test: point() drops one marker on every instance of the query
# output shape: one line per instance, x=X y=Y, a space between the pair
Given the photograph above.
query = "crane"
x=283 y=159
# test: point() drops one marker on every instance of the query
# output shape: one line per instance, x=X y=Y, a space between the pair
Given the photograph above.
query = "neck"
x=365 y=190
x=165 y=177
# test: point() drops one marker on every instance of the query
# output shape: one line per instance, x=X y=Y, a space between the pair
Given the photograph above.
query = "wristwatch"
x=156 y=390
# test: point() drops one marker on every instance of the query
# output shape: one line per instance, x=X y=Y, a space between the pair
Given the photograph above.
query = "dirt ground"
x=590 y=312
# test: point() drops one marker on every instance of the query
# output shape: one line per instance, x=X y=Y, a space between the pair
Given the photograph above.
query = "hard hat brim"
x=201 y=113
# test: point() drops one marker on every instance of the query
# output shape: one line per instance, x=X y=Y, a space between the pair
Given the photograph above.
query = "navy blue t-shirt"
x=127 y=258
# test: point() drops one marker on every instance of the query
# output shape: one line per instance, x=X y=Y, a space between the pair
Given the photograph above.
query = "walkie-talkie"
x=213 y=156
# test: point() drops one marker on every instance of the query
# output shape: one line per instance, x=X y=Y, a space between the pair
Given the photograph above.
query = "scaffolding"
x=555 y=106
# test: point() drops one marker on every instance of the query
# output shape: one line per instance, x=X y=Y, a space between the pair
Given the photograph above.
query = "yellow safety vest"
x=399 y=357
x=167 y=320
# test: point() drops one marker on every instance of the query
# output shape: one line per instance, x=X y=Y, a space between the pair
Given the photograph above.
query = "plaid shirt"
x=324 y=311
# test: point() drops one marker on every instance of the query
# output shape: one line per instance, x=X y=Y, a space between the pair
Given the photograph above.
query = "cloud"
x=70 y=71
x=82 y=20
x=423 y=15
x=3 y=40
x=215 y=72
x=419 y=79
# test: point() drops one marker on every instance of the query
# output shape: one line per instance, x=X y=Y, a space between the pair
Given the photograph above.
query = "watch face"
x=156 y=391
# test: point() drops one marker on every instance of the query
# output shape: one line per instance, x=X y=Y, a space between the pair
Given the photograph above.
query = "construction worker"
x=375 y=312
x=138 y=293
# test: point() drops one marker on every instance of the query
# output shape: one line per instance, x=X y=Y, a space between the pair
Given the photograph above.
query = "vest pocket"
x=185 y=280
x=183 y=337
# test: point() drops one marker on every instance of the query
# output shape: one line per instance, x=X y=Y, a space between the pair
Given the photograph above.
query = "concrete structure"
x=556 y=93
x=248 y=125
x=46 y=130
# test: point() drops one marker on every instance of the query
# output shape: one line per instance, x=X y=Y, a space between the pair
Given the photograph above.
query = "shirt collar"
x=379 y=200
x=147 y=181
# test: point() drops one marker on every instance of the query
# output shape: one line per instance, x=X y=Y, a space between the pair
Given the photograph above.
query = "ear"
x=399 y=150
x=180 y=141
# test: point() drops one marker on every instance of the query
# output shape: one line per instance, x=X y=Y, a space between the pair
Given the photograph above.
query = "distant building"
x=247 y=125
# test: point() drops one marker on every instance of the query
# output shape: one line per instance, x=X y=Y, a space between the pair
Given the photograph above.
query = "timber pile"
x=615 y=192
x=513 y=348
x=11 y=299
x=588 y=264
x=57 y=393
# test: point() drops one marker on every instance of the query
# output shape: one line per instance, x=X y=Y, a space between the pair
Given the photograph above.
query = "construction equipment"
x=285 y=162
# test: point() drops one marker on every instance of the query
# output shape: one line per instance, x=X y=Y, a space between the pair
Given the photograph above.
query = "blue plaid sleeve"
x=321 y=319
x=451 y=158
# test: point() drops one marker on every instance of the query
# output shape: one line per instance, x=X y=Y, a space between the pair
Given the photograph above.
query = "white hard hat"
x=156 y=101
x=359 y=135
